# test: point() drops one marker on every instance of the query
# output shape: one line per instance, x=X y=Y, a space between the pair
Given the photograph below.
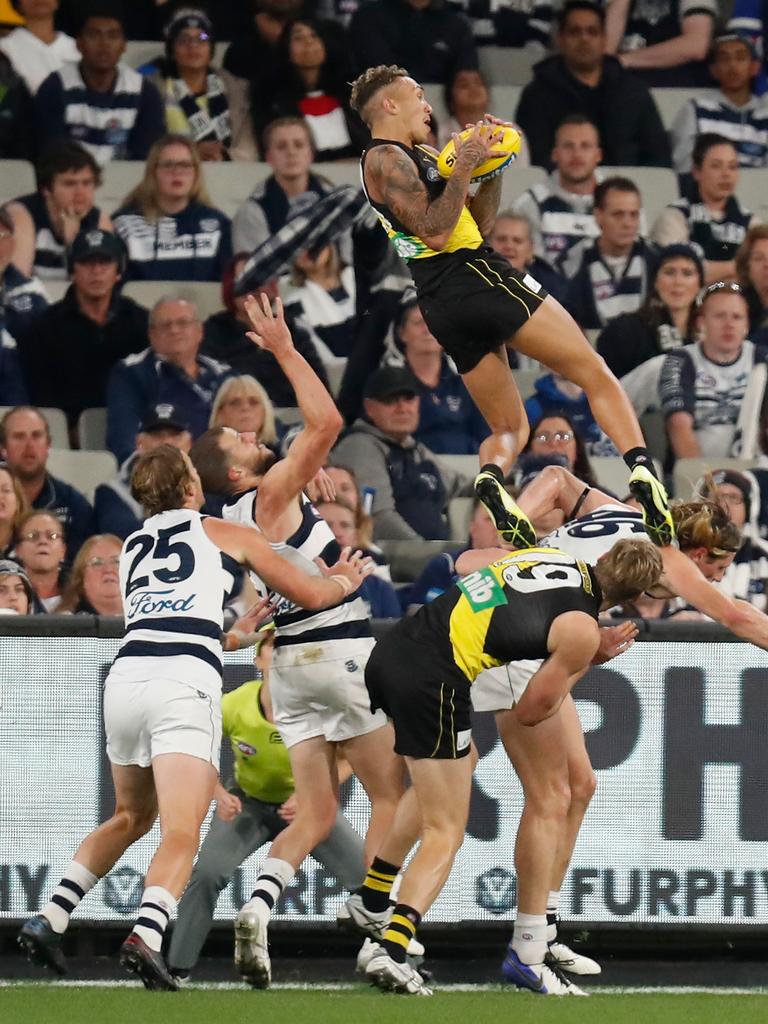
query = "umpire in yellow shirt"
x=253 y=813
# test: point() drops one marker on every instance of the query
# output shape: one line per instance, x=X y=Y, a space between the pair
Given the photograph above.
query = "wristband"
x=343 y=582
x=245 y=639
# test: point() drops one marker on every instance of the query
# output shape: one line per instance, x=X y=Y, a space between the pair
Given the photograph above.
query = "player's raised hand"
x=353 y=566
x=270 y=331
x=481 y=145
x=321 y=488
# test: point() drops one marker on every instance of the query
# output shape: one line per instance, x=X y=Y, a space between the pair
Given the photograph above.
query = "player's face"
x=677 y=283
x=73 y=191
x=718 y=174
x=711 y=567
x=41 y=547
x=289 y=153
x=512 y=238
x=341 y=521
x=758 y=265
x=413 y=111
x=723 y=322
x=416 y=337
x=26 y=444
x=733 y=66
x=346 y=488
x=554 y=435
x=482 y=530
x=101 y=584
x=576 y=153
x=581 y=41
x=13 y=594
x=246 y=451
x=732 y=500
x=619 y=219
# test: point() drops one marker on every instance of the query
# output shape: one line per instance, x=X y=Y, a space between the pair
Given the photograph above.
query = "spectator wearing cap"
x=411 y=489
x=16 y=594
x=25 y=441
x=665 y=321
x=734 y=111
x=746 y=578
x=171 y=371
x=225 y=339
x=68 y=352
x=115 y=508
x=100 y=102
x=171 y=230
x=36 y=48
x=208 y=105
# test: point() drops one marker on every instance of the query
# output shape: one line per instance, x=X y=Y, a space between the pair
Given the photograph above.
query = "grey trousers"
x=226 y=846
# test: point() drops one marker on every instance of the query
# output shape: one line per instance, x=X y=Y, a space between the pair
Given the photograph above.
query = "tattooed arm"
x=485 y=205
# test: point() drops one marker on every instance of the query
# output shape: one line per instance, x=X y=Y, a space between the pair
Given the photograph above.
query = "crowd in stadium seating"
x=162 y=366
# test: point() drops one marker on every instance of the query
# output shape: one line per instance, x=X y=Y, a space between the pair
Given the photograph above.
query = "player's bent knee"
x=135 y=823
x=583 y=786
x=549 y=799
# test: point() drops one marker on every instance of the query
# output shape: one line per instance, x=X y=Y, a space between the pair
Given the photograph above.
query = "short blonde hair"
x=629 y=569
x=245 y=386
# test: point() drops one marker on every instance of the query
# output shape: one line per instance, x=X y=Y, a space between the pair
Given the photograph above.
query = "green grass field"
x=51 y=1004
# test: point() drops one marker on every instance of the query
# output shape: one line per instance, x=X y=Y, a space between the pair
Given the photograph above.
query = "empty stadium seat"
x=516 y=180
x=84 y=470
x=459 y=516
x=465 y=465
x=507 y=65
x=205 y=294
x=56 y=290
x=611 y=473
x=118 y=178
x=751 y=191
x=92 y=429
x=688 y=472
x=17 y=177
x=670 y=100
x=57 y=422
x=335 y=371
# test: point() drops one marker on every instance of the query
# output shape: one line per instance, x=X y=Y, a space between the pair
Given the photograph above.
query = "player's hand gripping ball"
x=508 y=147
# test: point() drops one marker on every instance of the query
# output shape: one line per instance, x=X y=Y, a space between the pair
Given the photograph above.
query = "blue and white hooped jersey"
x=594 y=534
x=174 y=583
x=313 y=539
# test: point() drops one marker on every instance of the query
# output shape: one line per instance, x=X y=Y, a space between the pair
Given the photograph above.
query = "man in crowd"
x=111 y=109
x=582 y=79
x=615 y=269
x=170 y=371
x=25 y=440
x=664 y=43
x=411 y=489
x=116 y=510
x=16 y=135
x=513 y=237
x=68 y=352
x=560 y=209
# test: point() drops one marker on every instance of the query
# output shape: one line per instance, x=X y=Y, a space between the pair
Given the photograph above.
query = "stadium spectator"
x=512 y=236
x=243 y=405
x=108 y=107
x=734 y=112
x=410 y=488
x=13 y=507
x=752 y=275
x=427 y=37
x=467 y=98
x=746 y=578
x=170 y=371
x=253 y=54
x=378 y=594
x=615 y=270
x=93 y=585
x=42 y=551
x=560 y=209
x=17 y=140
x=25 y=441
x=47 y=221
x=310 y=79
x=16 y=594
x=666 y=42
x=562 y=423
x=225 y=340
x=581 y=78
x=208 y=105
x=115 y=508
x=320 y=290
x=22 y=298
x=521 y=23
x=36 y=48
x=666 y=319
x=715 y=223
x=67 y=353
x=170 y=229
x=702 y=386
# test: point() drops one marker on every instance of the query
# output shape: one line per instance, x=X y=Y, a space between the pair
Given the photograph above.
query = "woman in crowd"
x=242 y=404
x=208 y=105
x=752 y=275
x=16 y=594
x=93 y=587
x=667 y=318
x=41 y=549
x=347 y=492
x=170 y=229
x=13 y=508
x=310 y=80
x=467 y=98
x=555 y=434
x=321 y=289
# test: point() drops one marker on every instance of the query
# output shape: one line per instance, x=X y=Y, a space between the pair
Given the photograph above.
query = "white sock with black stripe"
x=274 y=876
x=157 y=907
x=76 y=881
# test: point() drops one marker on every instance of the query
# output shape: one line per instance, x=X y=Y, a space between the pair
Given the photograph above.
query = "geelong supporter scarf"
x=204 y=125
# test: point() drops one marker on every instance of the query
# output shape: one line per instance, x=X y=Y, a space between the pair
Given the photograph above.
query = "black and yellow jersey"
x=465 y=235
x=503 y=612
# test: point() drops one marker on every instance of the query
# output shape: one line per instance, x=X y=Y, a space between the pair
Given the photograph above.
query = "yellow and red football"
x=509 y=144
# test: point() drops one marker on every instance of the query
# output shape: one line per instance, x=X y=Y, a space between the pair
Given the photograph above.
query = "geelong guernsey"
x=262 y=766
x=593 y=535
x=174 y=583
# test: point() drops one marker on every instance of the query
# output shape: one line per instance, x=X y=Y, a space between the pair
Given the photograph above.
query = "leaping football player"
x=474 y=302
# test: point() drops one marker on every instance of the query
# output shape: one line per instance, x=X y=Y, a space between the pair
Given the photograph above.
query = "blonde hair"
x=363 y=522
x=243 y=387
x=74 y=592
x=160 y=480
x=22 y=505
x=146 y=195
x=629 y=569
x=705 y=524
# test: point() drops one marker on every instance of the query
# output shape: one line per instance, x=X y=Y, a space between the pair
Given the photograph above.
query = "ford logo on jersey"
x=151 y=602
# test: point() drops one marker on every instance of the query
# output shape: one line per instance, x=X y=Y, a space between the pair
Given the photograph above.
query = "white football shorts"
x=499 y=689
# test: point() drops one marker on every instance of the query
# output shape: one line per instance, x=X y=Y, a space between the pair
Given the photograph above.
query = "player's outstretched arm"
x=573 y=641
x=557 y=488
x=683 y=578
x=478 y=558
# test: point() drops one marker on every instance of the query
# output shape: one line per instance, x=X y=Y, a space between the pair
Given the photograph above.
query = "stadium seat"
x=407 y=558
x=669 y=101
x=505 y=64
x=288 y=415
x=118 y=178
x=205 y=294
x=526 y=380
x=17 y=177
x=751 y=191
x=57 y=421
x=56 y=290
x=658 y=188
x=92 y=429
x=84 y=470
x=653 y=426
x=688 y=472
x=467 y=465
x=459 y=516
x=516 y=180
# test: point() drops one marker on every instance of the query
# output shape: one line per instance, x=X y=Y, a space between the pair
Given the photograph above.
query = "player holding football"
x=472 y=299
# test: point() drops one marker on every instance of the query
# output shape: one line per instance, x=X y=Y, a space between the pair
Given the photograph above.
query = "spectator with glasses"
x=171 y=371
x=25 y=442
x=93 y=586
x=554 y=395
x=171 y=230
x=13 y=508
x=555 y=434
x=42 y=551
